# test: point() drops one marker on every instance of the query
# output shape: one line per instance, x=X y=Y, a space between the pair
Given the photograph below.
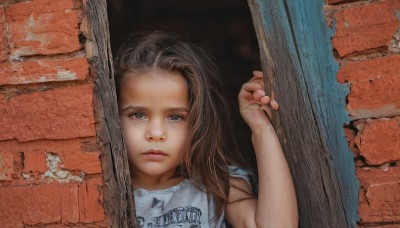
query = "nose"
x=156 y=131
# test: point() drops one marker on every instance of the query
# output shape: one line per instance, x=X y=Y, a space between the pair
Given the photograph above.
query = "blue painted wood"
x=295 y=43
x=328 y=98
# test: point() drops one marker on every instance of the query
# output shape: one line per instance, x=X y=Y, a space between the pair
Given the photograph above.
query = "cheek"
x=183 y=135
x=128 y=134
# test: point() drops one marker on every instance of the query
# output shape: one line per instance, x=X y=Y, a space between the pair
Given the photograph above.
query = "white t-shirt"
x=183 y=205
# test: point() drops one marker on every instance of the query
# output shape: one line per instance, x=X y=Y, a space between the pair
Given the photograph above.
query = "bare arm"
x=276 y=205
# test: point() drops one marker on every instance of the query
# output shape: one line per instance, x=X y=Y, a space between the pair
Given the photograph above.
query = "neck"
x=154 y=182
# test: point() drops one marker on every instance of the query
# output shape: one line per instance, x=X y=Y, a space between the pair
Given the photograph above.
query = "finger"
x=274 y=104
x=252 y=86
x=258 y=94
x=247 y=90
x=258 y=74
x=267 y=111
x=265 y=99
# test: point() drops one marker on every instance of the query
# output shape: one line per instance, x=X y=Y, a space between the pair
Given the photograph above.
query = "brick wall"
x=367 y=47
x=50 y=169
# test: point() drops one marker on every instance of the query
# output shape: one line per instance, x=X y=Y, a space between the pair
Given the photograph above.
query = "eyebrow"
x=141 y=108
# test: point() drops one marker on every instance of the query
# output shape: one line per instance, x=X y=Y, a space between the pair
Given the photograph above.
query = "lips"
x=155 y=154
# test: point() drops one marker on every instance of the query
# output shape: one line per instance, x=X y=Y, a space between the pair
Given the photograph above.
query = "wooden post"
x=118 y=191
x=300 y=72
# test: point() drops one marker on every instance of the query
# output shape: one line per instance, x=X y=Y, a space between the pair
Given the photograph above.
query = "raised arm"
x=276 y=205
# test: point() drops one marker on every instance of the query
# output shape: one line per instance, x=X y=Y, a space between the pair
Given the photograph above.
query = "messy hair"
x=208 y=149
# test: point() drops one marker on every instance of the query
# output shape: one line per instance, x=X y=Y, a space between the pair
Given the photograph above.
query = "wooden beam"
x=300 y=71
x=118 y=192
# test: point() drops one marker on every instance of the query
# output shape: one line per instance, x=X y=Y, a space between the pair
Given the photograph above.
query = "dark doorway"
x=224 y=27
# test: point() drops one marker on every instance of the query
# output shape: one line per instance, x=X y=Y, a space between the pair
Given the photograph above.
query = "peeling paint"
x=302 y=27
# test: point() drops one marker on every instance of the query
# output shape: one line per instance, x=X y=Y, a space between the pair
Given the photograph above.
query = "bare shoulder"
x=241 y=209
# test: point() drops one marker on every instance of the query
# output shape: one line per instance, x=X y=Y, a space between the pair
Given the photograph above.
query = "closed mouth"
x=155 y=152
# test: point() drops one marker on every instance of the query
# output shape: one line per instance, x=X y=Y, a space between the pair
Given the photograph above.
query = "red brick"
x=380 y=226
x=54 y=146
x=51 y=203
x=35 y=161
x=379 y=196
x=2 y=98
x=60 y=113
x=369 y=26
x=42 y=27
x=370 y=98
x=396 y=3
x=350 y=136
x=40 y=6
x=334 y=1
x=6 y=165
x=86 y=162
x=371 y=81
x=89 y=202
x=3 y=38
x=379 y=141
x=69 y=150
x=378 y=68
x=43 y=71
x=70 y=205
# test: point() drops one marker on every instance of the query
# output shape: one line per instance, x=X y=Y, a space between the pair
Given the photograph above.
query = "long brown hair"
x=210 y=146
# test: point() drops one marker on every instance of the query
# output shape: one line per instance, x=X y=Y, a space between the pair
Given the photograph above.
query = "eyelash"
x=143 y=116
x=176 y=115
x=134 y=115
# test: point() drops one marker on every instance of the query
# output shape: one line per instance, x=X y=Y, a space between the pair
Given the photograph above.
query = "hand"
x=254 y=105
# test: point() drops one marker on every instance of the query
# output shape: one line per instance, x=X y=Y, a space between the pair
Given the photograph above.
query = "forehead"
x=154 y=86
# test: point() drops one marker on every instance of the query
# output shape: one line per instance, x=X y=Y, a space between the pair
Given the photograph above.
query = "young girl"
x=183 y=168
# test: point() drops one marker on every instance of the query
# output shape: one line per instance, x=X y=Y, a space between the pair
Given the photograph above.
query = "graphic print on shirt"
x=177 y=217
x=158 y=204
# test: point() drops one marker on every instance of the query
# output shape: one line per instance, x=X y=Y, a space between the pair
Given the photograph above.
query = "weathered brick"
x=364 y=27
x=70 y=205
x=379 y=226
x=86 y=162
x=395 y=4
x=51 y=203
x=51 y=146
x=3 y=39
x=371 y=81
x=378 y=68
x=379 y=196
x=42 y=27
x=2 y=98
x=40 y=6
x=72 y=152
x=89 y=198
x=375 y=98
x=350 y=136
x=6 y=165
x=43 y=71
x=334 y=1
x=379 y=141
x=60 y=113
x=35 y=161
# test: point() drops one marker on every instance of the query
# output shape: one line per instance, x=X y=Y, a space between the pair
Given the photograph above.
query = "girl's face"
x=153 y=109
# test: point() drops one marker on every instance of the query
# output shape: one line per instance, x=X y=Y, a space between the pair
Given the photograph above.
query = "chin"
x=153 y=170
